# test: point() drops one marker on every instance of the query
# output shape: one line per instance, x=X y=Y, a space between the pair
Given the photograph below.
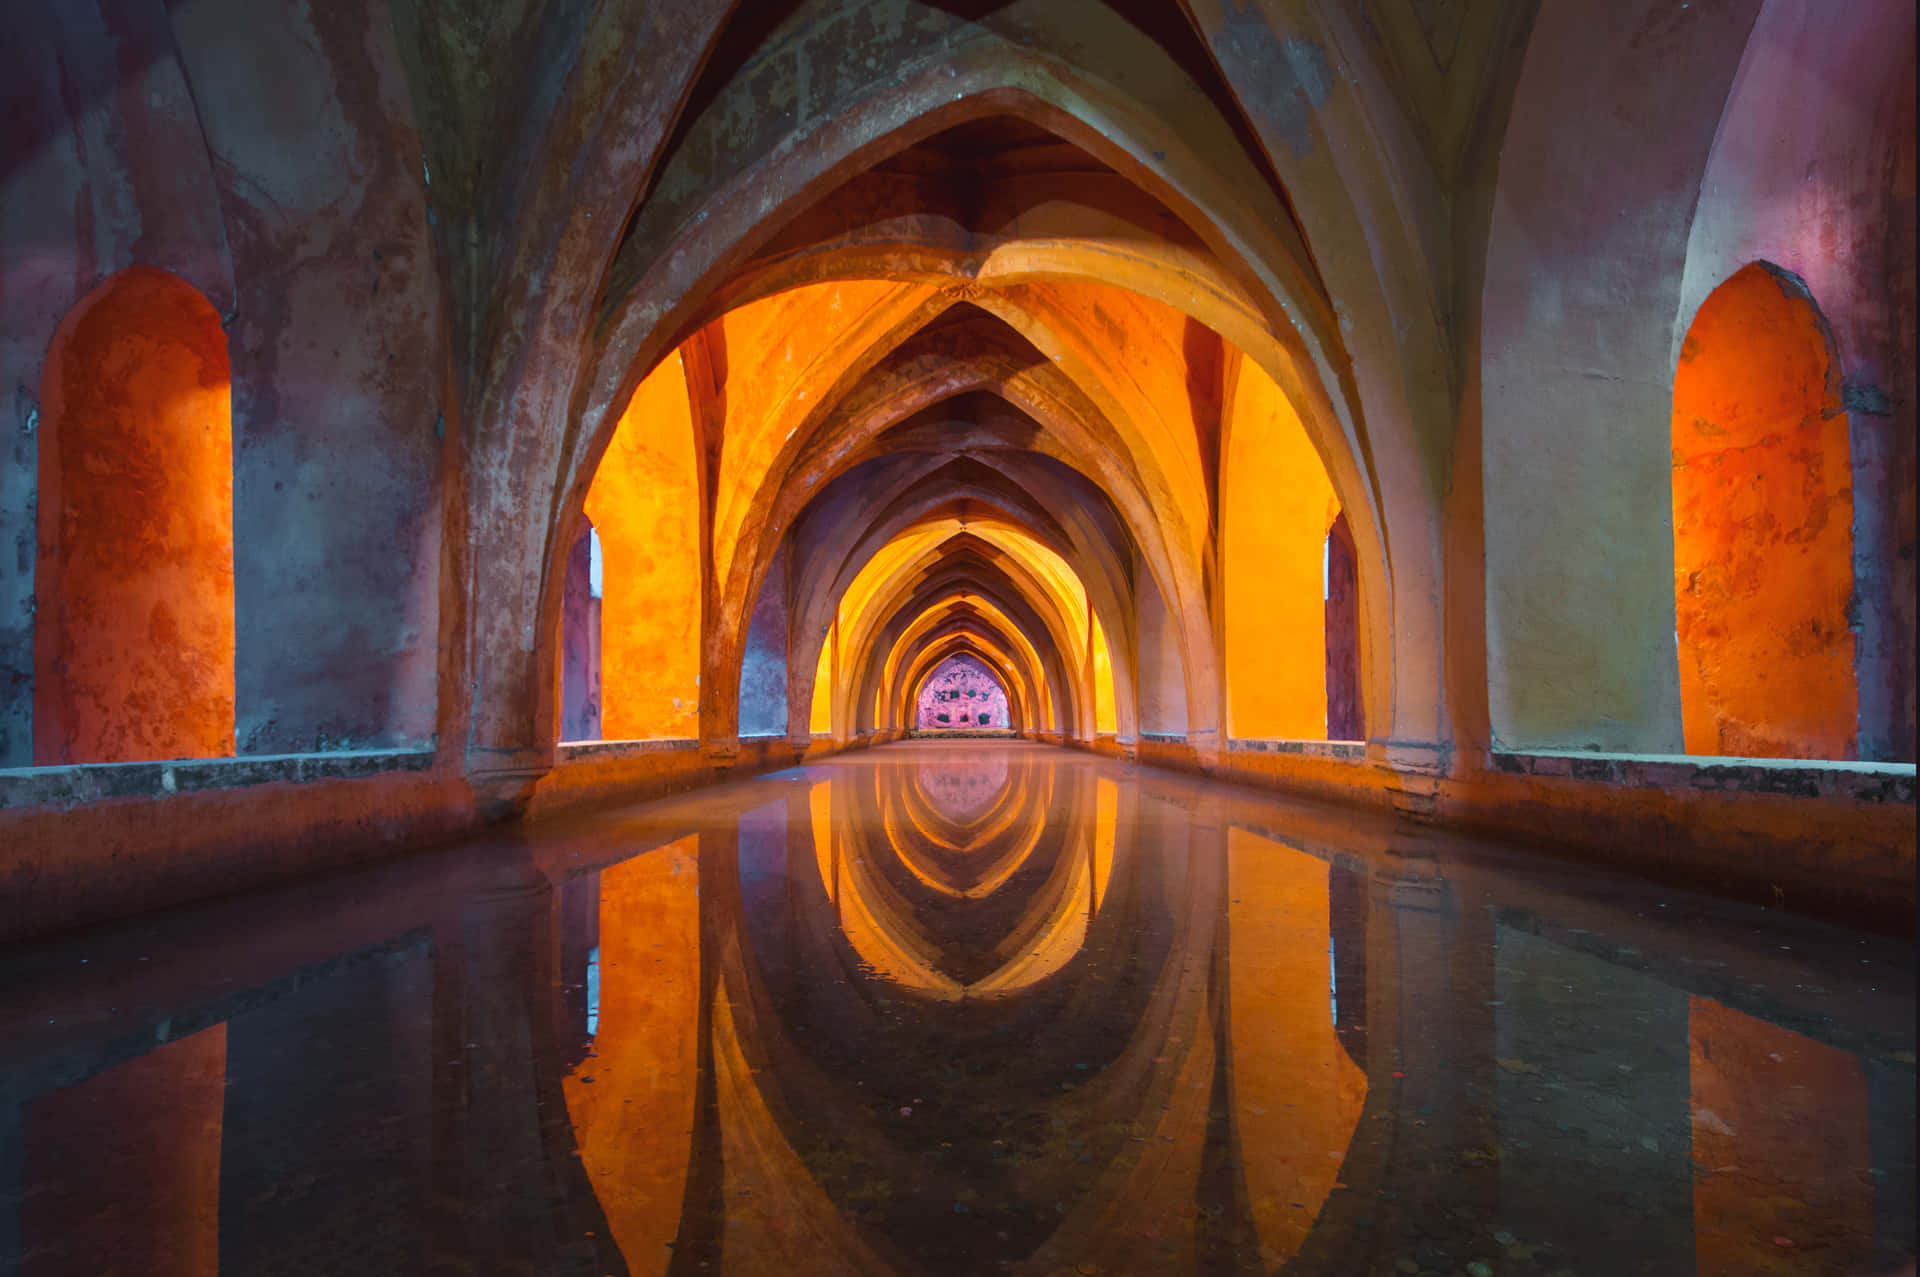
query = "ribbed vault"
x=969 y=390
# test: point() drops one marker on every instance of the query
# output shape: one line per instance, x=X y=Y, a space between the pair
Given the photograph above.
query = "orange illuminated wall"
x=820 y=713
x=1763 y=527
x=645 y=504
x=1276 y=506
x=133 y=646
x=1105 y=716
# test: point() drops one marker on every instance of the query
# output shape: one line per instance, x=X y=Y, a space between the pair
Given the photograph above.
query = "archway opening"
x=1763 y=527
x=1277 y=506
x=134 y=642
x=643 y=513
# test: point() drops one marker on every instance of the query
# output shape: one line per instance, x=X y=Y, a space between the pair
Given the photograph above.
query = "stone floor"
x=953 y=1008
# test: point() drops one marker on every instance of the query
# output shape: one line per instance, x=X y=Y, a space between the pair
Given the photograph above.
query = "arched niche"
x=134 y=632
x=1763 y=527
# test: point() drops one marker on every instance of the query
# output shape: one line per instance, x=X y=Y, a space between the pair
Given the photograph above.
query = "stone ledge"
x=80 y=783
x=1165 y=738
x=1353 y=750
x=1790 y=777
x=597 y=750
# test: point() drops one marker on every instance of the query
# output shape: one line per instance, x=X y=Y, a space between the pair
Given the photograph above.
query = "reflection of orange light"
x=133 y=655
x=1763 y=528
x=1297 y=1094
x=1781 y=1148
x=645 y=503
x=634 y=1121
x=778 y=1218
x=139 y=1146
x=884 y=931
x=988 y=878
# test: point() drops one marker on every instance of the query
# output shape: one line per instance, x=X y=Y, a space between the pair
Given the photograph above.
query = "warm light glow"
x=632 y=1100
x=1277 y=507
x=1763 y=528
x=1105 y=720
x=134 y=641
x=820 y=715
x=780 y=354
x=140 y=1145
x=645 y=507
x=1782 y=1143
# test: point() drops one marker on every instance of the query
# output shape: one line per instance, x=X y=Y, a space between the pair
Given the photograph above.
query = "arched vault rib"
x=968 y=568
x=844 y=426
x=836 y=546
x=1281 y=347
x=1027 y=618
x=951 y=626
x=1121 y=114
x=962 y=638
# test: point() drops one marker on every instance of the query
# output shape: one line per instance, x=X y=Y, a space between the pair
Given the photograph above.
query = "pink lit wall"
x=960 y=693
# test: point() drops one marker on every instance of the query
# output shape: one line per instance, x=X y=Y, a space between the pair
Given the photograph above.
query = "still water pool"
x=958 y=1008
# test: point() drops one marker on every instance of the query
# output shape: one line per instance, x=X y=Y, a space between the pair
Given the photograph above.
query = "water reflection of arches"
x=860 y=1018
x=385 y=1081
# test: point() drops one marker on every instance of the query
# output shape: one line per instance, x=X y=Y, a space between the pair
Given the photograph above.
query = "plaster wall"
x=1812 y=170
x=102 y=165
x=1346 y=705
x=1105 y=714
x=580 y=620
x=820 y=711
x=1276 y=506
x=1763 y=528
x=134 y=649
x=763 y=666
x=1162 y=693
x=66 y=864
x=335 y=339
x=1612 y=123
